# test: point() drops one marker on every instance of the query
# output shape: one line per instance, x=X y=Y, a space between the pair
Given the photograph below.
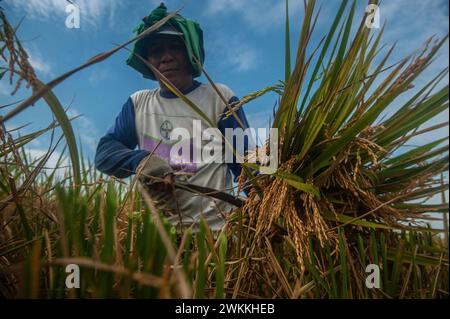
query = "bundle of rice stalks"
x=344 y=176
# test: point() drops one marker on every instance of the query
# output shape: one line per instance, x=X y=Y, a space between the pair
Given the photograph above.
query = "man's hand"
x=158 y=177
x=165 y=186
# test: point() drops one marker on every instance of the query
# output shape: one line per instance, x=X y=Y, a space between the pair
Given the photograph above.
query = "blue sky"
x=244 y=43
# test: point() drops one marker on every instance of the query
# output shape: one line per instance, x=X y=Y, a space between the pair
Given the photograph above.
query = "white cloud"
x=91 y=11
x=85 y=129
x=412 y=22
x=234 y=53
x=40 y=65
x=242 y=59
x=36 y=143
x=37 y=154
x=259 y=14
x=36 y=149
x=98 y=75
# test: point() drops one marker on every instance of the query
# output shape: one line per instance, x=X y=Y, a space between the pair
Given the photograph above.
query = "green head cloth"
x=192 y=34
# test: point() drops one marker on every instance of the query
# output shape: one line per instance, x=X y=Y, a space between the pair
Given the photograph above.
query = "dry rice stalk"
x=17 y=57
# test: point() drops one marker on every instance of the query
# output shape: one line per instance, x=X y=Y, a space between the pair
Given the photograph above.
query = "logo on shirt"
x=165 y=129
x=187 y=150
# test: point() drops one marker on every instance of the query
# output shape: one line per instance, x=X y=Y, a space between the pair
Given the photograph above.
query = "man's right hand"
x=157 y=176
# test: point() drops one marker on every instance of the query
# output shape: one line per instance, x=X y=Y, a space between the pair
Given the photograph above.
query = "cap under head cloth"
x=169 y=30
x=178 y=26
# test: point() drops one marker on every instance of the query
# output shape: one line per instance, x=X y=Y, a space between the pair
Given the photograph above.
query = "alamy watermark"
x=373 y=279
x=73 y=277
x=190 y=148
x=73 y=18
x=373 y=16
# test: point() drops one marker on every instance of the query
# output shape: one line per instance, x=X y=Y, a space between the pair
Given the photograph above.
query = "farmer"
x=149 y=117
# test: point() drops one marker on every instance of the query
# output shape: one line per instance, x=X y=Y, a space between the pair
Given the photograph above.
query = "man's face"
x=168 y=54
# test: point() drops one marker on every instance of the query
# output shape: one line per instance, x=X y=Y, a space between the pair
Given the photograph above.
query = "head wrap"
x=192 y=35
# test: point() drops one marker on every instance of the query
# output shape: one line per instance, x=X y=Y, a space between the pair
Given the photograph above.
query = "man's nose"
x=166 y=56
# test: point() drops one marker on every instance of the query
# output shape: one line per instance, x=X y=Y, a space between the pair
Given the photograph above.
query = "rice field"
x=347 y=193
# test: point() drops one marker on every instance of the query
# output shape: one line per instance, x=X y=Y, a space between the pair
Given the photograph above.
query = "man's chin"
x=171 y=76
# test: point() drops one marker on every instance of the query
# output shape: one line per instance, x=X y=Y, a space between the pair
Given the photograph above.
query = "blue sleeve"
x=231 y=122
x=115 y=153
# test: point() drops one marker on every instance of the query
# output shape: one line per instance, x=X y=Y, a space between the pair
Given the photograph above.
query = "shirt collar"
x=170 y=95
